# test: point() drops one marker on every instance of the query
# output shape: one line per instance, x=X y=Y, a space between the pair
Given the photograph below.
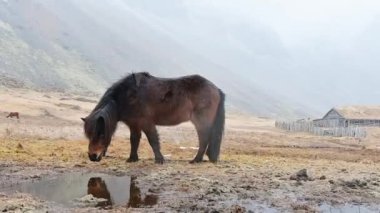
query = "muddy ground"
x=257 y=170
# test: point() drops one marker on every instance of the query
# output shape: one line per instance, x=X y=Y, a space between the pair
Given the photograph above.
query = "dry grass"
x=256 y=159
x=60 y=152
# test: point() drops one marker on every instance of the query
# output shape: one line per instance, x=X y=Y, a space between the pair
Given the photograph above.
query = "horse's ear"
x=83 y=119
x=146 y=74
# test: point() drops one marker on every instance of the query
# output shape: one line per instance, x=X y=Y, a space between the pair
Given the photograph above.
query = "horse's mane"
x=120 y=86
x=106 y=117
x=107 y=106
x=106 y=109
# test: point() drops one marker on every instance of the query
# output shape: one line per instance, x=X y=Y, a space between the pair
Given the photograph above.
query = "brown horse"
x=143 y=101
x=14 y=114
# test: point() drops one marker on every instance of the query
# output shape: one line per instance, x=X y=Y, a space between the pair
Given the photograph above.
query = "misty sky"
x=320 y=53
x=272 y=57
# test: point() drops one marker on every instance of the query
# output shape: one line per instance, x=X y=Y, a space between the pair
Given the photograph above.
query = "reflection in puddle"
x=136 y=201
x=98 y=188
x=110 y=190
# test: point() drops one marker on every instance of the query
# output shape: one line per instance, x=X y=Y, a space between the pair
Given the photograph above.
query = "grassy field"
x=257 y=162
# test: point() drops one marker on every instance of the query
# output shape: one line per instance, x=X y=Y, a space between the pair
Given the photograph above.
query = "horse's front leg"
x=152 y=135
x=135 y=142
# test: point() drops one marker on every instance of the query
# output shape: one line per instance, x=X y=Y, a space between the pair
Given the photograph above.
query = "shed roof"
x=360 y=112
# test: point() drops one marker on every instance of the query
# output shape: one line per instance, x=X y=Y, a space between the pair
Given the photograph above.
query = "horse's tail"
x=217 y=130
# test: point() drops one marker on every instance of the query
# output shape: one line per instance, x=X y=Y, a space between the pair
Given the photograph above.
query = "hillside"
x=81 y=46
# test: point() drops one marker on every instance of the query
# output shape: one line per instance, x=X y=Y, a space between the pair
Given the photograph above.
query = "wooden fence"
x=309 y=126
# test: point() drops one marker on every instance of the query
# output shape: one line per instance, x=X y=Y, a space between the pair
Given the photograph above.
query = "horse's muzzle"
x=95 y=157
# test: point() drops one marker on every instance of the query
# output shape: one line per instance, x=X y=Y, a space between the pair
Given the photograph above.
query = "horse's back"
x=190 y=86
x=191 y=80
x=174 y=100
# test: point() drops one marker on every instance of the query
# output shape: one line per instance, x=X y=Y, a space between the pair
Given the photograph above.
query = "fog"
x=320 y=53
x=273 y=58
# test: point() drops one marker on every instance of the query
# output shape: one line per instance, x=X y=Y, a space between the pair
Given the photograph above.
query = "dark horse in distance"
x=143 y=101
x=14 y=114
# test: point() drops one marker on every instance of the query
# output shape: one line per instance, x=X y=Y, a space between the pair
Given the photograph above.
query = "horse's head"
x=97 y=133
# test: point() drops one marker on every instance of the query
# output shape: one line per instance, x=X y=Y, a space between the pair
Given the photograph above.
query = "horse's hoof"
x=131 y=160
x=159 y=161
x=213 y=161
x=195 y=161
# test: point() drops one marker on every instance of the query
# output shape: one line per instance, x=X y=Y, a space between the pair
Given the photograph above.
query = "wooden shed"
x=350 y=116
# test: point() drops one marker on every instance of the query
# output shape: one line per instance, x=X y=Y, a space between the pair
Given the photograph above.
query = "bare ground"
x=254 y=173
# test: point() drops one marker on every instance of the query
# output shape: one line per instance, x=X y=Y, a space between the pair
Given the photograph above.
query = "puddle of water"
x=67 y=189
x=348 y=208
x=255 y=207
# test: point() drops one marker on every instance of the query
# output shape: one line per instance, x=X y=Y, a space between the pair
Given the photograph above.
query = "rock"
x=154 y=190
x=302 y=175
x=354 y=184
x=89 y=201
x=302 y=208
x=114 y=168
x=231 y=171
x=34 y=176
x=322 y=177
x=237 y=209
x=213 y=190
x=19 y=146
x=22 y=204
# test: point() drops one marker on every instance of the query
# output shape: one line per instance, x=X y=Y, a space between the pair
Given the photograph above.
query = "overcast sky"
x=323 y=53
x=281 y=54
x=300 y=22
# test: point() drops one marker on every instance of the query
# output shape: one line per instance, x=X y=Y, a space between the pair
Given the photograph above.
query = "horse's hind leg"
x=152 y=135
x=135 y=142
x=203 y=127
x=208 y=151
x=203 y=136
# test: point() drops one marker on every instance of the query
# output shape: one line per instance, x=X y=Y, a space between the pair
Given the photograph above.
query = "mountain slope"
x=85 y=46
